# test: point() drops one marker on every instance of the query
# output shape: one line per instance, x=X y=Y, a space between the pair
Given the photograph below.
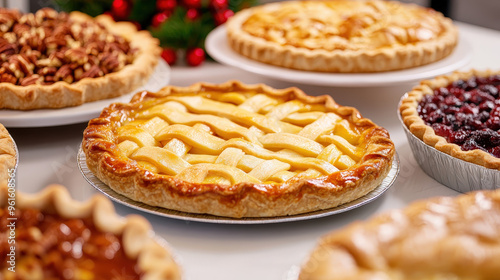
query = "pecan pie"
x=237 y=150
x=342 y=35
x=54 y=60
x=7 y=157
x=59 y=238
x=438 y=238
x=458 y=114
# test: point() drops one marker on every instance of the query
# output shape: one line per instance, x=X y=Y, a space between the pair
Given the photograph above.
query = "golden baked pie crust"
x=437 y=238
x=395 y=56
x=417 y=126
x=244 y=199
x=8 y=156
x=62 y=94
x=138 y=239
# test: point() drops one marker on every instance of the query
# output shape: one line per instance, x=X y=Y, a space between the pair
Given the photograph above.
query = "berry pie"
x=438 y=238
x=57 y=238
x=237 y=150
x=342 y=35
x=458 y=114
x=54 y=60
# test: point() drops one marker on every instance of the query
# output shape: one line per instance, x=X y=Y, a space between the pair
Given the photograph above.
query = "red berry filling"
x=466 y=113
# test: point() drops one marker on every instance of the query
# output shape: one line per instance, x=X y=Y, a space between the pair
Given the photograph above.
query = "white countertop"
x=249 y=252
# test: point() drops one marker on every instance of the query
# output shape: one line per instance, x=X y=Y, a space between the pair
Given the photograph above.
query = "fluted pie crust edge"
x=337 y=61
x=417 y=126
x=138 y=239
x=437 y=238
x=62 y=94
x=244 y=199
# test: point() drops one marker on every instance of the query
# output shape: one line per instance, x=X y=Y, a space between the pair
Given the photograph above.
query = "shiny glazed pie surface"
x=229 y=138
x=345 y=25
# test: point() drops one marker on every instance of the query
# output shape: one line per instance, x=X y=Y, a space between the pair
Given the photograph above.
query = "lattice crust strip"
x=233 y=137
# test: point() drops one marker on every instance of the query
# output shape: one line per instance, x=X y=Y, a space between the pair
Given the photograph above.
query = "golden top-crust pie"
x=59 y=238
x=342 y=35
x=54 y=60
x=439 y=238
x=8 y=157
x=458 y=114
x=237 y=150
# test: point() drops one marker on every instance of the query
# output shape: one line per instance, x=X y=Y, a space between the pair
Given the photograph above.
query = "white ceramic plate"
x=82 y=113
x=100 y=186
x=217 y=46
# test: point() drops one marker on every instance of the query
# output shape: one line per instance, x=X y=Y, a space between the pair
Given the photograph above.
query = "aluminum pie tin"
x=205 y=218
x=452 y=172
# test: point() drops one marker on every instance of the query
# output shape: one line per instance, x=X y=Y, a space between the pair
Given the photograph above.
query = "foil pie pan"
x=454 y=173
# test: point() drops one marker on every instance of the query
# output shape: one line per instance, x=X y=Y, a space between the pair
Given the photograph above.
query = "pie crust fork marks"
x=342 y=36
x=237 y=150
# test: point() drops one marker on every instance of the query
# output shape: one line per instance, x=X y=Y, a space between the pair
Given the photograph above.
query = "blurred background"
x=478 y=12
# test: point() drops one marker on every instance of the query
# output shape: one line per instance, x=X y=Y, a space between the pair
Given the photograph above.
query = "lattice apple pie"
x=237 y=150
x=342 y=35
x=54 y=60
x=59 y=238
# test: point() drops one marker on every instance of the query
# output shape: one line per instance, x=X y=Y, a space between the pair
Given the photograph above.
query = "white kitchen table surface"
x=251 y=252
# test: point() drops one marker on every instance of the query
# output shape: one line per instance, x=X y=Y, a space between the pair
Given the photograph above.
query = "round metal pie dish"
x=106 y=190
x=452 y=172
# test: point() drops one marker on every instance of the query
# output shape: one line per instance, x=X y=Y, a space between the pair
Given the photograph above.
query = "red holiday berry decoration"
x=192 y=3
x=192 y=14
x=120 y=9
x=195 y=56
x=166 y=5
x=218 y=4
x=159 y=18
x=169 y=55
x=222 y=16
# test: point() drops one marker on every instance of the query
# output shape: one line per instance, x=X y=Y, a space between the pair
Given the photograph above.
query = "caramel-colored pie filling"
x=47 y=47
x=51 y=247
x=225 y=141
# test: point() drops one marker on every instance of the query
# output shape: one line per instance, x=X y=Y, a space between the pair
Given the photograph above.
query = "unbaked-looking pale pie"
x=55 y=60
x=342 y=35
x=8 y=157
x=58 y=238
x=458 y=114
x=237 y=150
x=440 y=239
